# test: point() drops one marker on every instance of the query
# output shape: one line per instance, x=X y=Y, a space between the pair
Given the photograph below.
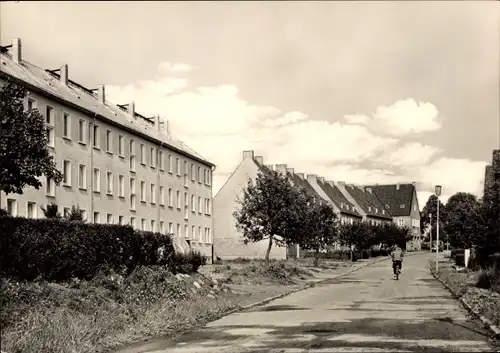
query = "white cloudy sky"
x=365 y=92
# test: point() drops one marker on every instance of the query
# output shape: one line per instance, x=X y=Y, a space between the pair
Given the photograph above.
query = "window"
x=109 y=218
x=66 y=173
x=401 y=222
x=186 y=212
x=31 y=104
x=49 y=115
x=178 y=230
x=120 y=220
x=31 y=210
x=97 y=180
x=205 y=176
x=209 y=177
x=121 y=145
x=209 y=203
x=153 y=225
x=152 y=157
x=109 y=183
x=402 y=206
x=170 y=228
x=369 y=209
x=186 y=231
x=192 y=172
x=50 y=136
x=121 y=186
x=162 y=196
x=178 y=199
x=160 y=161
x=199 y=205
x=199 y=175
x=82 y=176
x=200 y=235
x=185 y=174
x=414 y=207
x=162 y=227
x=143 y=224
x=97 y=217
x=66 y=126
x=66 y=212
x=95 y=137
x=132 y=155
x=12 y=207
x=209 y=235
x=193 y=203
x=193 y=232
x=143 y=154
x=133 y=201
x=143 y=191
x=177 y=166
x=132 y=186
x=153 y=193
x=132 y=163
x=170 y=163
x=186 y=205
x=50 y=188
x=84 y=214
x=170 y=200
x=109 y=141
x=132 y=222
x=82 y=131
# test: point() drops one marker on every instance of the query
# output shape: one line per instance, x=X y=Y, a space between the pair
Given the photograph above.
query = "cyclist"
x=397 y=258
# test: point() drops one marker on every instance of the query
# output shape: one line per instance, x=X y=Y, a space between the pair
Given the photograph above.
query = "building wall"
x=77 y=152
x=228 y=241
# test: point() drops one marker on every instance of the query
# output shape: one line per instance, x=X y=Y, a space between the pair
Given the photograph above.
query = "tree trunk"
x=316 y=258
x=269 y=248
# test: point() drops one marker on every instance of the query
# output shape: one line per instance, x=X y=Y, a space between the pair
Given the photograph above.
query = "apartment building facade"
x=228 y=240
x=118 y=166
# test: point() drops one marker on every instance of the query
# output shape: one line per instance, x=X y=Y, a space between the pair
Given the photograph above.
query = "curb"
x=306 y=286
x=486 y=322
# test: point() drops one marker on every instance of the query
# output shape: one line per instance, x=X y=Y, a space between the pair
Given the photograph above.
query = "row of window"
x=205 y=207
x=196 y=232
x=156 y=158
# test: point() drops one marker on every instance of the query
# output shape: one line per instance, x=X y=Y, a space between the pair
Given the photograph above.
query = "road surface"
x=366 y=311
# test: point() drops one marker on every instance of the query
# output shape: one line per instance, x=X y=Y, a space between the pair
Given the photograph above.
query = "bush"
x=460 y=259
x=58 y=250
x=484 y=280
x=454 y=252
x=188 y=263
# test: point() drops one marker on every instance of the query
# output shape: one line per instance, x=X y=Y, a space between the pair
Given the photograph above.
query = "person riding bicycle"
x=397 y=258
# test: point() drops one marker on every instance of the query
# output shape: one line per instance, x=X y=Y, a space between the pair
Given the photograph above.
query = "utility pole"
x=430 y=233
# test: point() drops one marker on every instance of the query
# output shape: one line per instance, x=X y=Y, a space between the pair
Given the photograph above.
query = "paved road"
x=366 y=311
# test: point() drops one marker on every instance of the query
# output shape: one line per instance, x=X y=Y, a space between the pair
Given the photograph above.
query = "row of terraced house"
x=121 y=167
x=372 y=203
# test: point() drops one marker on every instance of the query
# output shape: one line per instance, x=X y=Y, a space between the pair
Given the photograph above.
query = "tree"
x=320 y=228
x=75 y=214
x=431 y=208
x=24 y=154
x=462 y=222
x=51 y=211
x=272 y=209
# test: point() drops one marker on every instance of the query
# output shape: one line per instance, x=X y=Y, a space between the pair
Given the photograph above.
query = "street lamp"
x=437 y=190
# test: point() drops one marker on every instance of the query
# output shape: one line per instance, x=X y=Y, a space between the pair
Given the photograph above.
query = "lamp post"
x=437 y=190
x=430 y=233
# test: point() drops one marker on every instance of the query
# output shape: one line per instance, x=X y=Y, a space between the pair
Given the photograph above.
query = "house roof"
x=368 y=202
x=396 y=201
x=339 y=199
x=78 y=97
x=303 y=183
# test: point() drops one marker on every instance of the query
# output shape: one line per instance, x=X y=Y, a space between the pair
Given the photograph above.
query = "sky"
x=362 y=92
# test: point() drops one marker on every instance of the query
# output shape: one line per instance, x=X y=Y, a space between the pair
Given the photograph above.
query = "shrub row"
x=58 y=250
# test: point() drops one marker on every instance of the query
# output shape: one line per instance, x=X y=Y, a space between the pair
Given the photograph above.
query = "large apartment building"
x=119 y=166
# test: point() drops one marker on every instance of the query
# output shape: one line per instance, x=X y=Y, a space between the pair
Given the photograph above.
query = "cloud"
x=167 y=67
x=219 y=124
x=404 y=117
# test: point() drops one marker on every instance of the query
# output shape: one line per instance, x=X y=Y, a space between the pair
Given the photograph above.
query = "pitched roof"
x=368 y=202
x=303 y=183
x=79 y=97
x=339 y=199
x=396 y=201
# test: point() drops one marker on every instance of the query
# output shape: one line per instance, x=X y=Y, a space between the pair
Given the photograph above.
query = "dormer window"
x=402 y=206
x=383 y=211
x=387 y=206
x=341 y=205
x=376 y=210
x=369 y=209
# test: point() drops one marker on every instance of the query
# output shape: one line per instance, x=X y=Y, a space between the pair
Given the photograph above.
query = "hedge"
x=58 y=250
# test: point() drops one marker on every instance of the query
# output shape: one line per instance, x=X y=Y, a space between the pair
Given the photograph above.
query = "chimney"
x=259 y=160
x=131 y=109
x=290 y=170
x=311 y=177
x=63 y=74
x=270 y=166
x=397 y=186
x=281 y=168
x=341 y=182
x=321 y=179
x=329 y=182
x=414 y=184
x=369 y=190
x=101 y=94
x=247 y=154
x=300 y=175
x=17 y=53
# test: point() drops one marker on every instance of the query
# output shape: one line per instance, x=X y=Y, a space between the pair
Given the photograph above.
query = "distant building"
x=228 y=241
x=119 y=166
x=401 y=201
x=492 y=172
